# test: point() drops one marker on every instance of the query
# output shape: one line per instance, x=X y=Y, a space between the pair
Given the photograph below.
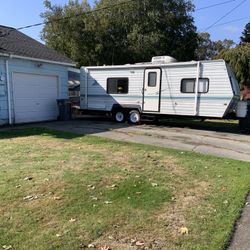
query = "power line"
x=69 y=17
x=232 y=21
x=79 y=14
x=215 y=5
x=129 y=1
x=104 y=8
x=227 y=14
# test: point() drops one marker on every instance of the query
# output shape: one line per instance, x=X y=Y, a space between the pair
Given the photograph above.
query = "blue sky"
x=18 y=13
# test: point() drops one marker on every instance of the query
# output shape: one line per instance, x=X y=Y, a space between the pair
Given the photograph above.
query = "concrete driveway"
x=228 y=144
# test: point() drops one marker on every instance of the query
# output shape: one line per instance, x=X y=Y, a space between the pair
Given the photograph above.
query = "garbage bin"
x=248 y=109
x=64 y=106
x=244 y=123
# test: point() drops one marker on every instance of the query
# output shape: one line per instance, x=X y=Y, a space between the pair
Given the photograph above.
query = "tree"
x=239 y=60
x=204 y=50
x=122 y=32
x=245 y=38
x=208 y=49
x=65 y=30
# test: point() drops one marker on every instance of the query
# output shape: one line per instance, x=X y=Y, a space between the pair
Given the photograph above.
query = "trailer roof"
x=149 y=64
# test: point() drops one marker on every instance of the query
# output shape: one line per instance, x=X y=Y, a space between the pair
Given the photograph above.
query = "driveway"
x=228 y=144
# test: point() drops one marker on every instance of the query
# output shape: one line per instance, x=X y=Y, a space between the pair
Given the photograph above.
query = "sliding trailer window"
x=188 y=85
x=117 y=85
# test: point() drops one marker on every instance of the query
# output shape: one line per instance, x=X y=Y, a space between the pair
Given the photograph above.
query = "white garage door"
x=35 y=97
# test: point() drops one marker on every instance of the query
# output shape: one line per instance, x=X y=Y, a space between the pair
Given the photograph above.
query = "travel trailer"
x=162 y=87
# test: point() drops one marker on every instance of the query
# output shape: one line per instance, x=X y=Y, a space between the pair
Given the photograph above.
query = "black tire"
x=134 y=117
x=119 y=116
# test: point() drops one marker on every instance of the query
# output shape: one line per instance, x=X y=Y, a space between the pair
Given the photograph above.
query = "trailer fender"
x=126 y=108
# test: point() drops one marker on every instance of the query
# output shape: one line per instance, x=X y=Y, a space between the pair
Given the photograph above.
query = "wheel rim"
x=134 y=117
x=119 y=116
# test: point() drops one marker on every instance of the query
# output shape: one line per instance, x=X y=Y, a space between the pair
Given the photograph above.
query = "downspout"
x=197 y=89
x=8 y=90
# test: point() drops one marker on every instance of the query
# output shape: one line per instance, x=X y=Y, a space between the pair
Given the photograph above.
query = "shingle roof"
x=15 y=42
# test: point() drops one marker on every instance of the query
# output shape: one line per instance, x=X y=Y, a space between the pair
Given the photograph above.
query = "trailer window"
x=152 y=77
x=203 y=85
x=188 y=85
x=117 y=86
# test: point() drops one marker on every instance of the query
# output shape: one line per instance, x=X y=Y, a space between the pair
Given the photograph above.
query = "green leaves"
x=246 y=34
x=239 y=59
x=122 y=32
x=208 y=49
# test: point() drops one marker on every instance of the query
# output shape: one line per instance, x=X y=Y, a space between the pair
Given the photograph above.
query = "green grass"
x=116 y=192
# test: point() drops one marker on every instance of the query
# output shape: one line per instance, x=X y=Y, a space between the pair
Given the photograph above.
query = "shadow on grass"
x=26 y=132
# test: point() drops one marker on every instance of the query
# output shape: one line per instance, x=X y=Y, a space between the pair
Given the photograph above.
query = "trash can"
x=248 y=109
x=65 y=112
x=244 y=123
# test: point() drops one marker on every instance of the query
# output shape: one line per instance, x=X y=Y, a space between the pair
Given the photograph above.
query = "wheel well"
x=125 y=108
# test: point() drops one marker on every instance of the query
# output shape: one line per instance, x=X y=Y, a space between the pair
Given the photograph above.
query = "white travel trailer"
x=162 y=87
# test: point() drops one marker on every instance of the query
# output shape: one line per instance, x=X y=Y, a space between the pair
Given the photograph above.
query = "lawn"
x=64 y=191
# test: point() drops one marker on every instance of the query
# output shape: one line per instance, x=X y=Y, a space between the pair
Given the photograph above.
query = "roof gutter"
x=38 y=60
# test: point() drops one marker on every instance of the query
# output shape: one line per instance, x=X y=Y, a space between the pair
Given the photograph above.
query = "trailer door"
x=152 y=90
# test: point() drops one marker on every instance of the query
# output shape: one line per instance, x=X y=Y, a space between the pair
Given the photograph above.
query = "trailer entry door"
x=152 y=90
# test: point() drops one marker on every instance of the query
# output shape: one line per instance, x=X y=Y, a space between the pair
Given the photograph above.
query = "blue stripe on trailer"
x=162 y=97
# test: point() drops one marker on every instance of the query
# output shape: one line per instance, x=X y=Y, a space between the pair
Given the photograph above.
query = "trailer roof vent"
x=163 y=59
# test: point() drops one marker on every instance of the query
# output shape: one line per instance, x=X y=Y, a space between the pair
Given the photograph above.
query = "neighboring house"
x=32 y=78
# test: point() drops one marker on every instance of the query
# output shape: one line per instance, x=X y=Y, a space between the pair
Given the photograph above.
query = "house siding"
x=3 y=93
x=29 y=67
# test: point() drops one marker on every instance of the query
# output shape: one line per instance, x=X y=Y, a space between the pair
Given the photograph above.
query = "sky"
x=19 y=13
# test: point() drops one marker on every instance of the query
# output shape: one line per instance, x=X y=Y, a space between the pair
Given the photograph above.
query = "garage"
x=32 y=78
x=35 y=97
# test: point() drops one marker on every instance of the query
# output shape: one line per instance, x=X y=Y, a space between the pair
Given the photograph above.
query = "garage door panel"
x=32 y=102
x=27 y=105
x=32 y=117
x=32 y=93
x=35 y=97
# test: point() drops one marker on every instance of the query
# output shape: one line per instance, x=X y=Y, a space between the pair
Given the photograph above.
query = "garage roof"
x=15 y=42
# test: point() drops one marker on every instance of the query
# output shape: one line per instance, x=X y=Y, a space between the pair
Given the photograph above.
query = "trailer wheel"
x=134 y=117
x=119 y=116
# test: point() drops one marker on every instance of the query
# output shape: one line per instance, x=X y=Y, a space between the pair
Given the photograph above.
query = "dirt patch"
x=184 y=199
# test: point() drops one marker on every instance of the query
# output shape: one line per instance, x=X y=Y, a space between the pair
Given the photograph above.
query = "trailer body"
x=162 y=88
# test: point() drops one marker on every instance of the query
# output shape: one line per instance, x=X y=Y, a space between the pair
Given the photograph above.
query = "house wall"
x=29 y=67
x=3 y=93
